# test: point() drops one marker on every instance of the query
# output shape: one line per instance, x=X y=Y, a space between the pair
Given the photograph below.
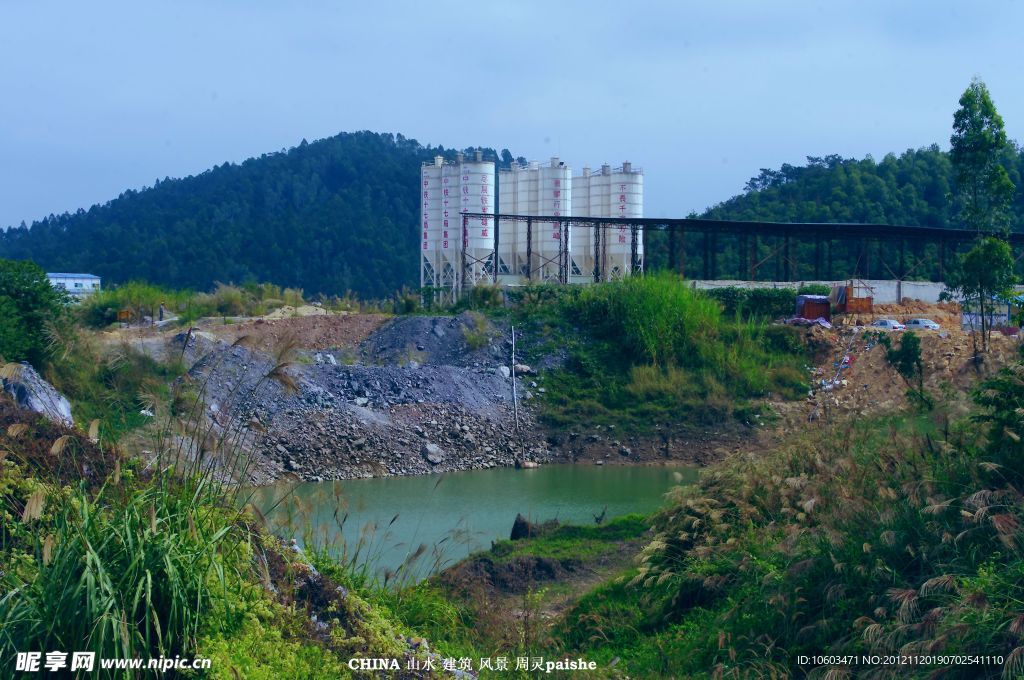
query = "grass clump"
x=572 y=543
x=122 y=578
x=476 y=331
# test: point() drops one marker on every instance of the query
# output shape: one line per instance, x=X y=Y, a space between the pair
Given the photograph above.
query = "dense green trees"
x=330 y=216
x=341 y=214
x=917 y=187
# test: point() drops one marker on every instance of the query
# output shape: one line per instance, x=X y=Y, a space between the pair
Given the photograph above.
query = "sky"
x=102 y=96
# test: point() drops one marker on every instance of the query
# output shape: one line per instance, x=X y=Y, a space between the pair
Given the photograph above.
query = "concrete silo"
x=581 y=267
x=626 y=199
x=430 y=223
x=477 y=239
x=554 y=194
x=458 y=251
x=453 y=253
x=618 y=193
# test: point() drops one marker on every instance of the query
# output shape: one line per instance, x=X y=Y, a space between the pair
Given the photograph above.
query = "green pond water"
x=458 y=513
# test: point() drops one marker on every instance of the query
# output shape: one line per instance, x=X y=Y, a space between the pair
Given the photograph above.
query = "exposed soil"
x=409 y=395
x=853 y=377
x=448 y=407
x=311 y=332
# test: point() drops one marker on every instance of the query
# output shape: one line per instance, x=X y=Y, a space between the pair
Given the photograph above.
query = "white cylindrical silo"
x=508 y=243
x=477 y=192
x=626 y=200
x=430 y=220
x=582 y=236
x=526 y=204
x=450 y=237
x=599 y=192
x=555 y=199
x=477 y=196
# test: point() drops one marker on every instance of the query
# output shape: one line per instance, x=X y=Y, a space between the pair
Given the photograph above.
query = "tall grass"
x=651 y=351
x=899 y=535
x=124 y=577
x=656 y=319
x=139 y=567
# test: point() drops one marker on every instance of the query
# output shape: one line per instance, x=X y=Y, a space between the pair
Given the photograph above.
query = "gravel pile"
x=447 y=408
x=463 y=340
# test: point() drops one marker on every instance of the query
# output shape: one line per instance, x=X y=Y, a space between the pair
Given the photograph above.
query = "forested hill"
x=341 y=214
x=334 y=215
x=912 y=189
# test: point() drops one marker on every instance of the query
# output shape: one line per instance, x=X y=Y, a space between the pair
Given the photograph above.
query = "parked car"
x=922 y=324
x=889 y=325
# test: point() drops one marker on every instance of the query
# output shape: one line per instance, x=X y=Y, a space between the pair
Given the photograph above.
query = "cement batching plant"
x=461 y=244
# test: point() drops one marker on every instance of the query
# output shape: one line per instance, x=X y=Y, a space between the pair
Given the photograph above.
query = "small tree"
x=984 y=273
x=979 y=139
x=27 y=303
x=906 y=359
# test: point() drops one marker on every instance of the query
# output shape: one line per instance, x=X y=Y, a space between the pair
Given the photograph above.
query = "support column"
x=563 y=232
x=682 y=252
x=817 y=256
x=753 y=257
x=787 y=269
x=671 y=250
x=707 y=250
x=465 y=260
x=529 y=249
x=634 y=265
x=778 y=261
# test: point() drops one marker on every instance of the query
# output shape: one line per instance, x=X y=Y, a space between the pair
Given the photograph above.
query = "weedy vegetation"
x=896 y=535
x=650 y=352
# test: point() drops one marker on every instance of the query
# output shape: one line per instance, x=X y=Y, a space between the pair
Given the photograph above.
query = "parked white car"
x=889 y=325
x=922 y=324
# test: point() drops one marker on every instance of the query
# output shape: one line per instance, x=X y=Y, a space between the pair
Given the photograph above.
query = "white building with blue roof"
x=78 y=285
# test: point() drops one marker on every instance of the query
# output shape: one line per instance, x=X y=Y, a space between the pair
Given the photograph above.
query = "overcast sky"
x=97 y=97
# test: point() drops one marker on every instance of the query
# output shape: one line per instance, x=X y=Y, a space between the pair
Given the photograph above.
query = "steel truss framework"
x=746 y=234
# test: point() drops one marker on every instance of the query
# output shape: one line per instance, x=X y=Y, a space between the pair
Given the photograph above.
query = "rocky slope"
x=427 y=394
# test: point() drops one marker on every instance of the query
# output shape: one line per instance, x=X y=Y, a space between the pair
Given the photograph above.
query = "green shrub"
x=877 y=536
x=477 y=332
x=28 y=305
x=649 y=352
x=770 y=303
x=814 y=289
x=138 y=298
x=485 y=297
x=755 y=303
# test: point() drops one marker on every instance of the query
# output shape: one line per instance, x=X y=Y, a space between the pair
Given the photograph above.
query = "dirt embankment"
x=946 y=314
x=851 y=376
x=336 y=331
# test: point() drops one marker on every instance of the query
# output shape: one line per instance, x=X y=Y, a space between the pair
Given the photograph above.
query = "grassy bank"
x=650 y=353
x=105 y=553
x=899 y=535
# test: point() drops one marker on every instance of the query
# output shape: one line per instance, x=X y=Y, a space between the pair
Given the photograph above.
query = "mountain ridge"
x=341 y=214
